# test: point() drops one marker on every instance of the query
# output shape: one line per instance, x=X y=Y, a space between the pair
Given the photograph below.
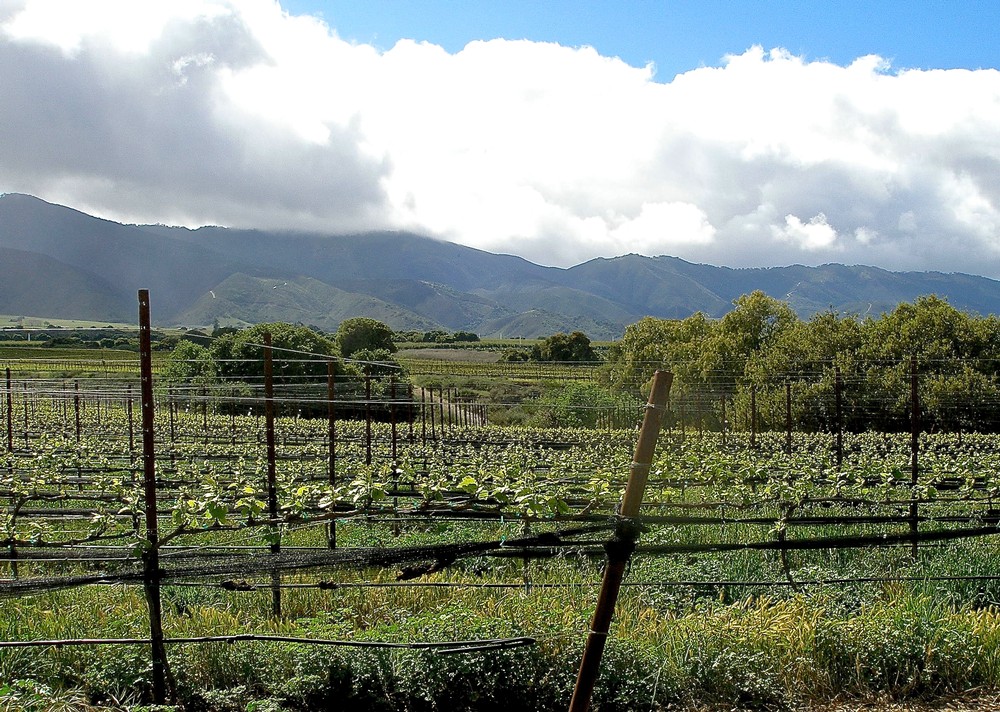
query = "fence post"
x=914 y=447
x=838 y=390
x=10 y=415
x=788 y=418
x=76 y=409
x=151 y=555
x=331 y=433
x=368 y=420
x=272 y=485
x=724 y=423
x=620 y=549
x=131 y=427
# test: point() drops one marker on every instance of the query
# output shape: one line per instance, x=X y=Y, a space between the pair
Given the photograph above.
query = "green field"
x=763 y=579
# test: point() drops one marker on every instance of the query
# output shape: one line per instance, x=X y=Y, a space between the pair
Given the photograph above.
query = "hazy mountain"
x=58 y=262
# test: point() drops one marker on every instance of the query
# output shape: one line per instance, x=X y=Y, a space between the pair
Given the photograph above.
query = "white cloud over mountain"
x=235 y=113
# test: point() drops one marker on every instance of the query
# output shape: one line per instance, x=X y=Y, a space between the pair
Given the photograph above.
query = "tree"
x=191 y=363
x=564 y=347
x=362 y=333
x=576 y=405
x=297 y=351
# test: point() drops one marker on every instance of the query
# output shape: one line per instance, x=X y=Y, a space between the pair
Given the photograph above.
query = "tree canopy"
x=762 y=344
x=363 y=334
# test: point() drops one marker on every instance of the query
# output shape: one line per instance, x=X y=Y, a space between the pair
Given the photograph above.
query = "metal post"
x=914 y=448
x=838 y=391
x=150 y=557
x=788 y=418
x=10 y=415
x=331 y=433
x=272 y=486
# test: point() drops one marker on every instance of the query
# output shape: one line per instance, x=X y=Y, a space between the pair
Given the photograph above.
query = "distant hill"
x=61 y=263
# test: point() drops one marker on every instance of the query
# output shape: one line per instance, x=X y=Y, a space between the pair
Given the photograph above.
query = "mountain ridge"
x=89 y=267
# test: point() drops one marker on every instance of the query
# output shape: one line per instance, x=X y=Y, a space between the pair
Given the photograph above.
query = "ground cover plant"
x=766 y=577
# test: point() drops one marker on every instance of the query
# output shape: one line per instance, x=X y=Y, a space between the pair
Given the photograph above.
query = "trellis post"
x=331 y=427
x=620 y=548
x=150 y=557
x=914 y=448
x=272 y=486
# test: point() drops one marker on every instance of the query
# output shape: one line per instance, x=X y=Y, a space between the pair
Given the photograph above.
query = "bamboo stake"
x=620 y=548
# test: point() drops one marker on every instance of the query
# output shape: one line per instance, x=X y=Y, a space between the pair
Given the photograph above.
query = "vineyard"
x=308 y=541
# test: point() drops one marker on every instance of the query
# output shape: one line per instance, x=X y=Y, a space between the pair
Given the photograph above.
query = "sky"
x=733 y=133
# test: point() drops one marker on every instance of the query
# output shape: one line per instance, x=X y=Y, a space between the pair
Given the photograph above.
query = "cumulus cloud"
x=236 y=113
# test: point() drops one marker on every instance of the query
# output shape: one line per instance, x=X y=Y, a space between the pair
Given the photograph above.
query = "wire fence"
x=255 y=475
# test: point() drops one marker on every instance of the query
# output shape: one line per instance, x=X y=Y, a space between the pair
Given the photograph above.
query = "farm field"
x=763 y=577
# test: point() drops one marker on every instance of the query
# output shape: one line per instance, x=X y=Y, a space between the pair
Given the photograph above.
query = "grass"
x=760 y=647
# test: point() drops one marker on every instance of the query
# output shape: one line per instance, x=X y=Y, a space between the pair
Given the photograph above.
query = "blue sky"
x=684 y=34
x=769 y=133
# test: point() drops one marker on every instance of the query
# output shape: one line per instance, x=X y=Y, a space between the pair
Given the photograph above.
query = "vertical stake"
x=331 y=434
x=131 y=426
x=272 y=486
x=368 y=420
x=788 y=418
x=753 y=416
x=620 y=550
x=839 y=392
x=10 y=415
x=76 y=408
x=151 y=556
x=914 y=448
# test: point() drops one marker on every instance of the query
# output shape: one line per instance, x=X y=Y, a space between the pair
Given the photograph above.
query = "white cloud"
x=817 y=234
x=226 y=112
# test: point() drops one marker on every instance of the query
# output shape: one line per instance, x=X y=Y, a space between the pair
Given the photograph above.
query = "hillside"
x=59 y=262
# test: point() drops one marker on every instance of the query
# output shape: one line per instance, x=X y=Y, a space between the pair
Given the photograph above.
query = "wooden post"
x=753 y=416
x=150 y=557
x=620 y=549
x=272 y=485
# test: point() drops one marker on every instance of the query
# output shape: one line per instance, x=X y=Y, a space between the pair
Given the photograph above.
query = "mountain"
x=61 y=263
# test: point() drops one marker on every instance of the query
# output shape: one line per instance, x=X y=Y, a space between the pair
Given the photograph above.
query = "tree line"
x=762 y=351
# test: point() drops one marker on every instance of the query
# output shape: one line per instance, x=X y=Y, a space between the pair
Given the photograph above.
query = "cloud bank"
x=236 y=113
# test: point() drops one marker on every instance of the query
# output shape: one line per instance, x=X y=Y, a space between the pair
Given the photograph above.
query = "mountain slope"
x=59 y=262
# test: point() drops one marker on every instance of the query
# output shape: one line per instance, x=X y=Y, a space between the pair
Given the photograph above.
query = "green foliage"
x=762 y=345
x=190 y=363
x=362 y=333
x=564 y=348
x=576 y=405
x=294 y=352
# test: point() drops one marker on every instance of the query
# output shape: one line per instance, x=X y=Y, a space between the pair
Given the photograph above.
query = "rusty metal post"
x=838 y=389
x=150 y=557
x=10 y=415
x=331 y=434
x=272 y=486
x=914 y=449
x=620 y=549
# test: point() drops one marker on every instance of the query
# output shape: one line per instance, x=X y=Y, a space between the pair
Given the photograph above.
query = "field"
x=424 y=558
